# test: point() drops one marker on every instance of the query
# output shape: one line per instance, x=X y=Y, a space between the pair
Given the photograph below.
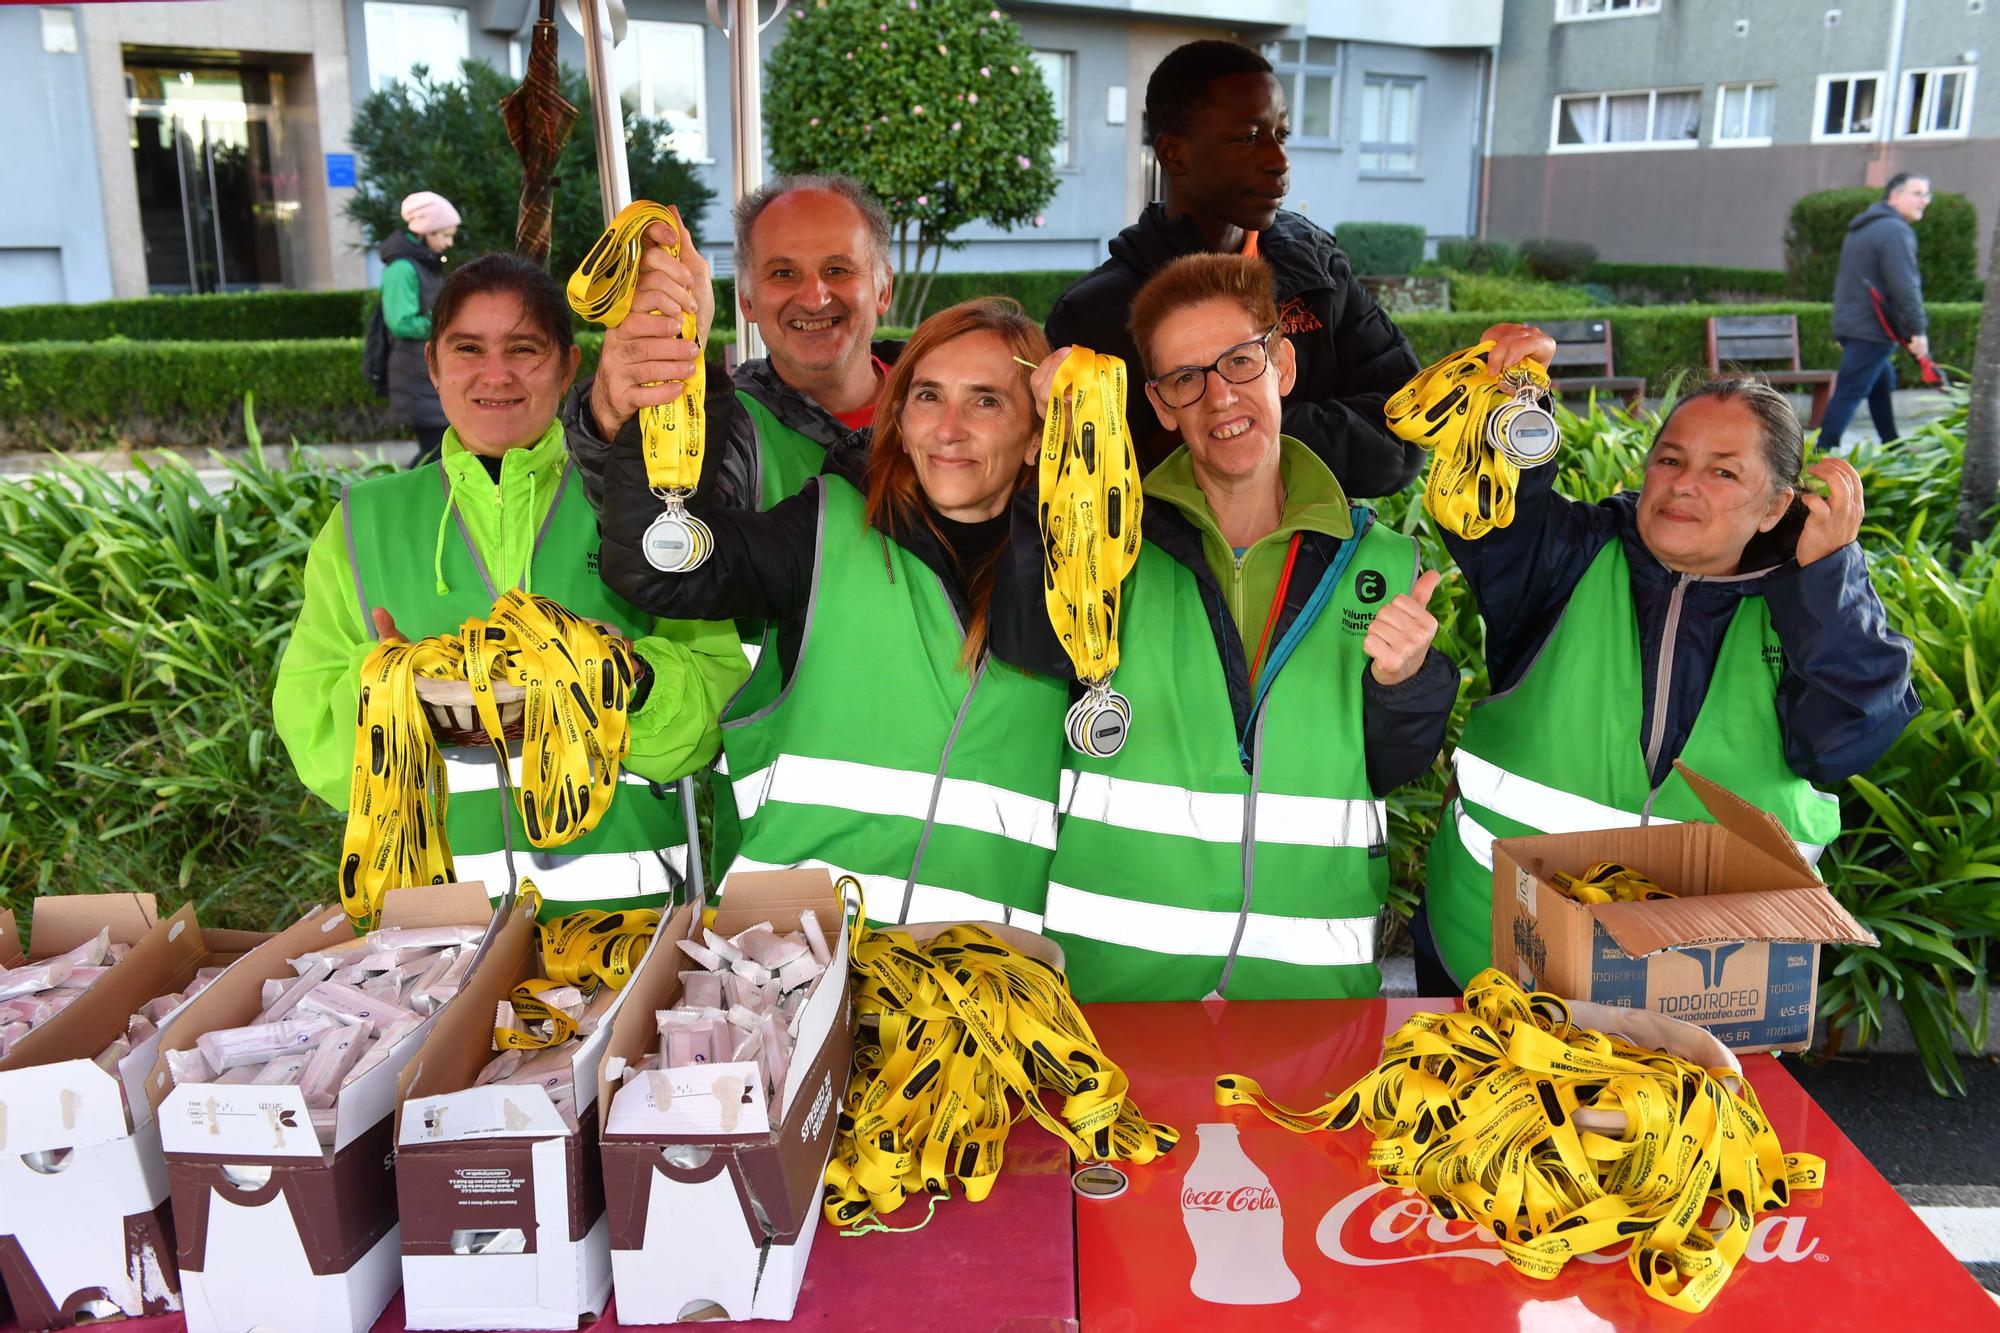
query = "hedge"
x=1382 y=248
x=1947 y=244
x=80 y=395
x=1685 y=282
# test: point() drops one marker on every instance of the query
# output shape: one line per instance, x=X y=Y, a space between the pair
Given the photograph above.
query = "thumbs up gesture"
x=1402 y=632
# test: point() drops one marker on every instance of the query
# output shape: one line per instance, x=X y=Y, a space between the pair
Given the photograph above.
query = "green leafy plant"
x=1473 y=254
x=935 y=105
x=1382 y=248
x=1947 y=244
x=1500 y=292
x=1557 y=261
x=1676 y=283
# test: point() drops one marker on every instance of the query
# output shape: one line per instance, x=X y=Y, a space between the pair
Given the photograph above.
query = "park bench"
x=1587 y=343
x=1744 y=340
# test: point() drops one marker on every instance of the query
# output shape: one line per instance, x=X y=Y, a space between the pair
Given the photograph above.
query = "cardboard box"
x=710 y=1200
x=275 y=1231
x=85 y=1229
x=475 y=1161
x=1736 y=953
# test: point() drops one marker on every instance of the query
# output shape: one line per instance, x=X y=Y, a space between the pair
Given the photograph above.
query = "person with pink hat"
x=412 y=274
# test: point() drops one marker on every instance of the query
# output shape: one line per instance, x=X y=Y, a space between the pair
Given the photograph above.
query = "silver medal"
x=677 y=542
x=1523 y=431
x=1098 y=723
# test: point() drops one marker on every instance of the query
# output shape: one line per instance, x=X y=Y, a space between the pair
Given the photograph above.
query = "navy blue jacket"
x=1844 y=695
x=1879 y=254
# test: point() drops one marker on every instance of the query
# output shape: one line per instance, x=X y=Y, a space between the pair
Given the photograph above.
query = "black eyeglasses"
x=1238 y=365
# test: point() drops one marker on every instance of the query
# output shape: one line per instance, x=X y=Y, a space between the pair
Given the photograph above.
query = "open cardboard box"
x=275 y=1231
x=85 y=1230
x=472 y=1162
x=1736 y=953
x=711 y=1200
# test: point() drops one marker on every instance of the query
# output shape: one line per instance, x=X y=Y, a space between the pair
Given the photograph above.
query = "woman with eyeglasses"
x=1276 y=652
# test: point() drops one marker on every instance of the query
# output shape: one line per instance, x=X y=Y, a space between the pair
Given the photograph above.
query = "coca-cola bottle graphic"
x=1233 y=1218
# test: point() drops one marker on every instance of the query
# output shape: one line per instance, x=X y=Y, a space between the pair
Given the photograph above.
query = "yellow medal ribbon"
x=1609 y=882
x=578 y=681
x=1475 y=426
x=968 y=1033
x=1091 y=502
x=1561 y=1141
x=590 y=947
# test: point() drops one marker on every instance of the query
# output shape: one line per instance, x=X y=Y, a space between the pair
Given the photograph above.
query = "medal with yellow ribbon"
x=1090 y=504
x=1481 y=431
x=672 y=434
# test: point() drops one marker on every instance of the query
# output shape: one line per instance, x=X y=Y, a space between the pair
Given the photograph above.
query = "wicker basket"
x=455 y=719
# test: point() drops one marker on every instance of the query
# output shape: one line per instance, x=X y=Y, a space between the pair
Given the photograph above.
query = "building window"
x=1391 y=111
x=401 y=37
x=660 y=70
x=1847 y=104
x=1309 y=72
x=1057 y=69
x=1743 y=113
x=1936 y=103
x=1570 y=10
x=1609 y=122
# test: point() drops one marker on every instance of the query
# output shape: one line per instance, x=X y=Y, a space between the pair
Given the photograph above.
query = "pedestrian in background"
x=1878 y=302
x=412 y=276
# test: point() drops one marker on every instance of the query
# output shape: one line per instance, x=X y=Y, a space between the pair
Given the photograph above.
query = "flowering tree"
x=935 y=105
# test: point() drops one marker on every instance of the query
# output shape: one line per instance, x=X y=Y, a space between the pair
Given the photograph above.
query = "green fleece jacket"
x=696 y=664
x=1314 y=502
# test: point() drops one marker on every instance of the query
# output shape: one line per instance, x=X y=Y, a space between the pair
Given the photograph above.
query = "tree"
x=1979 y=483
x=935 y=105
x=449 y=136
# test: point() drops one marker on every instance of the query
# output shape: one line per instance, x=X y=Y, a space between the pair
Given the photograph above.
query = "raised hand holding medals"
x=672 y=434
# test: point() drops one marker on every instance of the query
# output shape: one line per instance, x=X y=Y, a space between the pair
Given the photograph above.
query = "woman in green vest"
x=896 y=750
x=1721 y=615
x=420 y=552
x=1276 y=652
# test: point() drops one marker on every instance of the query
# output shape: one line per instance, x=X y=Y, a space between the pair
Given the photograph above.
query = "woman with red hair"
x=896 y=750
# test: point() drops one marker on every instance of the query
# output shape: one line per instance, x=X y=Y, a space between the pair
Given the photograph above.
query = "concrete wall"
x=52 y=242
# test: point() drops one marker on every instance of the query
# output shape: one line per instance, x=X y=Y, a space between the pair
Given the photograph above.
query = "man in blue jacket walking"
x=1878 y=301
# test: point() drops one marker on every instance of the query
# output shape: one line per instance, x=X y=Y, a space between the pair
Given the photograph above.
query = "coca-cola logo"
x=1381 y=1224
x=1243 y=1199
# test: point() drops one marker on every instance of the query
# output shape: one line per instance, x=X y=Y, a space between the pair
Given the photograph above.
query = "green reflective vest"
x=637 y=855
x=1179 y=872
x=883 y=758
x=1560 y=752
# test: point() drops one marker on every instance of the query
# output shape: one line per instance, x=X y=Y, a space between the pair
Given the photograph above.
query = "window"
x=1936 y=103
x=660 y=73
x=1309 y=72
x=1608 y=122
x=1846 y=107
x=401 y=37
x=1056 y=69
x=1390 y=112
x=1568 y=10
x=1743 y=113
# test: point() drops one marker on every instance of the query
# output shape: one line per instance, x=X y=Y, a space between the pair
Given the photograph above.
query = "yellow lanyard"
x=1091 y=502
x=1561 y=1141
x=968 y=1034
x=1479 y=430
x=574 y=736
x=1608 y=882
x=578 y=951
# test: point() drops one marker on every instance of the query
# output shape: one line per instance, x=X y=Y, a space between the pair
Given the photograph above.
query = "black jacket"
x=1880 y=252
x=412 y=396
x=1351 y=358
x=1403 y=725
x=1844 y=695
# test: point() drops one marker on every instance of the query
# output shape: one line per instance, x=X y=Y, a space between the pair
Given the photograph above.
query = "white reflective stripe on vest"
x=1156 y=807
x=1476 y=838
x=474 y=770
x=753 y=649
x=1303 y=941
x=872 y=790
x=581 y=878
x=927 y=901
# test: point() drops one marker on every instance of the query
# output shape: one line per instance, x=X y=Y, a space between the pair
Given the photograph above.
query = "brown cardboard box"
x=712 y=1198
x=275 y=1231
x=1736 y=953
x=498 y=1165
x=85 y=1229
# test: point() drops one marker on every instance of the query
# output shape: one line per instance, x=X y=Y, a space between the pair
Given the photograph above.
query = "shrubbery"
x=1686 y=282
x=1947 y=244
x=1472 y=254
x=1383 y=249
x=1557 y=261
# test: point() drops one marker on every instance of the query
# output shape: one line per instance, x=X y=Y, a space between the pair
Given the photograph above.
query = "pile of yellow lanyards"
x=1448 y=409
x=1090 y=507
x=1562 y=1141
x=1609 y=882
x=962 y=1023
x=584 y=949
x=574 y=736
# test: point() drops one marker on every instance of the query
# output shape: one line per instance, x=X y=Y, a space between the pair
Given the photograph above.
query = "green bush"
x=1473 y=254
x=1947 y=244
x=1686 y=282
x=1557 y=261
x=1497 y=292
x=230 y=316
x=1383 y=249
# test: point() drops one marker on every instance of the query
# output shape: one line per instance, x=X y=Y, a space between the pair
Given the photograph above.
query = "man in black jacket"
x=1878 y=301
x=1216 y=119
